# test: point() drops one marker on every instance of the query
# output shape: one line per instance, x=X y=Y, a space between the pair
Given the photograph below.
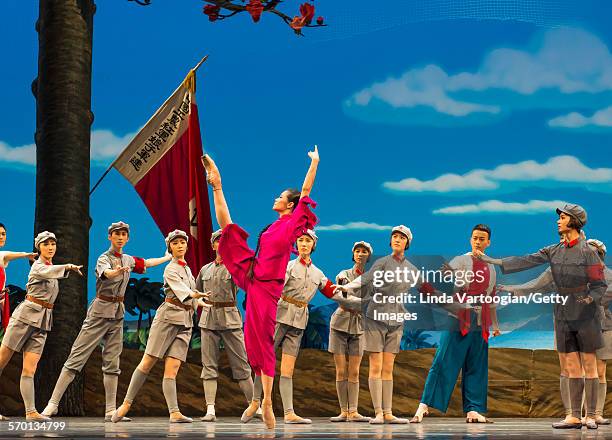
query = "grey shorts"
x=289 y=338
x=382 y=338
x=22 y=337
x=578 y=336
x=345 y=343
x=168 y=340
x=605 y=353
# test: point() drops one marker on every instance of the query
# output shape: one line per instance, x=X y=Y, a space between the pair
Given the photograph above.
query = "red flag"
x=163 y=163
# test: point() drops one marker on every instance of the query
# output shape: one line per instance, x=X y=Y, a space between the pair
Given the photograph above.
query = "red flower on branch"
x=255 y=8
x=212 y=11
x=320 y=21
x=307 y=12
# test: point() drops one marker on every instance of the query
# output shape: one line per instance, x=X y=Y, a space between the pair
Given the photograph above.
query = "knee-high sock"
x=65 y=378
x=246 y=385
x=576 y=387
x=590 y=395
x=565 y=394
x=376 y=393
x=136 y=382
x=169 y=389
x=210 y=391
x=26 y=385
x=342 y=390
x=353 y=396
x=387 y=396
x=110 y=391
x=602 y=391
x=257 y=388
x=285 y=386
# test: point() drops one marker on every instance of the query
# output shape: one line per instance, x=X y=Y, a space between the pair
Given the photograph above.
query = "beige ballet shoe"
x=177 y=417
x=268 y=415
x=250 y=412
x=422 y=412
x=120 y=412
x=293 y=419
x=35 y=416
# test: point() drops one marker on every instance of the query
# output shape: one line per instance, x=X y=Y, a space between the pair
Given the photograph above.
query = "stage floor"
x=228 y=428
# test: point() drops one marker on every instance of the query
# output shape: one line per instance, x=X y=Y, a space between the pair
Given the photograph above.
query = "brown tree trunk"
x=63 y=121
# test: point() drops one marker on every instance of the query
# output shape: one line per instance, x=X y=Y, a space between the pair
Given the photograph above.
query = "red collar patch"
x=181 y=263
x=304 y=262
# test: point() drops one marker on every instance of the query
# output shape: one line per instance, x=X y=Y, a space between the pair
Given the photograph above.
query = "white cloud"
x=354 y=226
x=601 y=118
x=563 y=61
x=105 y=147
x=568 y=169
x=499 y=207
x=24 y=154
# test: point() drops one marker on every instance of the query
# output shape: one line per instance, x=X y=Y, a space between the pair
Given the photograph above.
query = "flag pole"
x=191 y=72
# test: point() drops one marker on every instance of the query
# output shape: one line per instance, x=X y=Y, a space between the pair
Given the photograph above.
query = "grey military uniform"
x=171 y=328
x=221 y=322
x=577 y=273
x=104 y=321
x=383 y=322
x=30 y=322
x=544 y=283
x=346 y=324
x=302 y=281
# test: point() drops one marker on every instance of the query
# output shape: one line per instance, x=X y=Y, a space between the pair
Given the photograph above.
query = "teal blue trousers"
x=468 y=354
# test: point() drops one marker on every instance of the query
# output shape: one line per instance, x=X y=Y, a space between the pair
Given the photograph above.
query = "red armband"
x=328 y=290
x=596 y=272
x=139 y=265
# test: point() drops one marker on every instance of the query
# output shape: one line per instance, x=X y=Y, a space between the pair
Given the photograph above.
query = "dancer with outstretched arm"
x=31 y=322
x=261 y=272
x=578 y=274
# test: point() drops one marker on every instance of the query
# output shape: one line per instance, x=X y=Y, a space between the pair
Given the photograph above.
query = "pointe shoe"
x=35 y=416
x=390 y=419
x=601 y=421
x=590 y=423
x=252 y=411
x=421 y=413
x=343 y=417
x=208 y=418
x=268 y=415
x=108 y=418
x=177 y=417
x=356 y=417
x=120 y=413
x=259 y=414
x=378 y=419
x=50 y=410
x=293 y=419
x=568 y=423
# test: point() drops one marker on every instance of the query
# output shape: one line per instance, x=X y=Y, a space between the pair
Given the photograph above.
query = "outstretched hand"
x=75 y=268
x=213 y=176
x=314 y=155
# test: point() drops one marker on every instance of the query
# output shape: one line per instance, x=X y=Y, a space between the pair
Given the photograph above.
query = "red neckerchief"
x=474 y=289
x=304 y=262
x=181 y=263
x=358 y=271
x=48 y=263
x=117 y=254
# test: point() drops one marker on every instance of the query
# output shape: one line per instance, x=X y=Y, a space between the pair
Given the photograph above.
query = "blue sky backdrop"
x=438 y=115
